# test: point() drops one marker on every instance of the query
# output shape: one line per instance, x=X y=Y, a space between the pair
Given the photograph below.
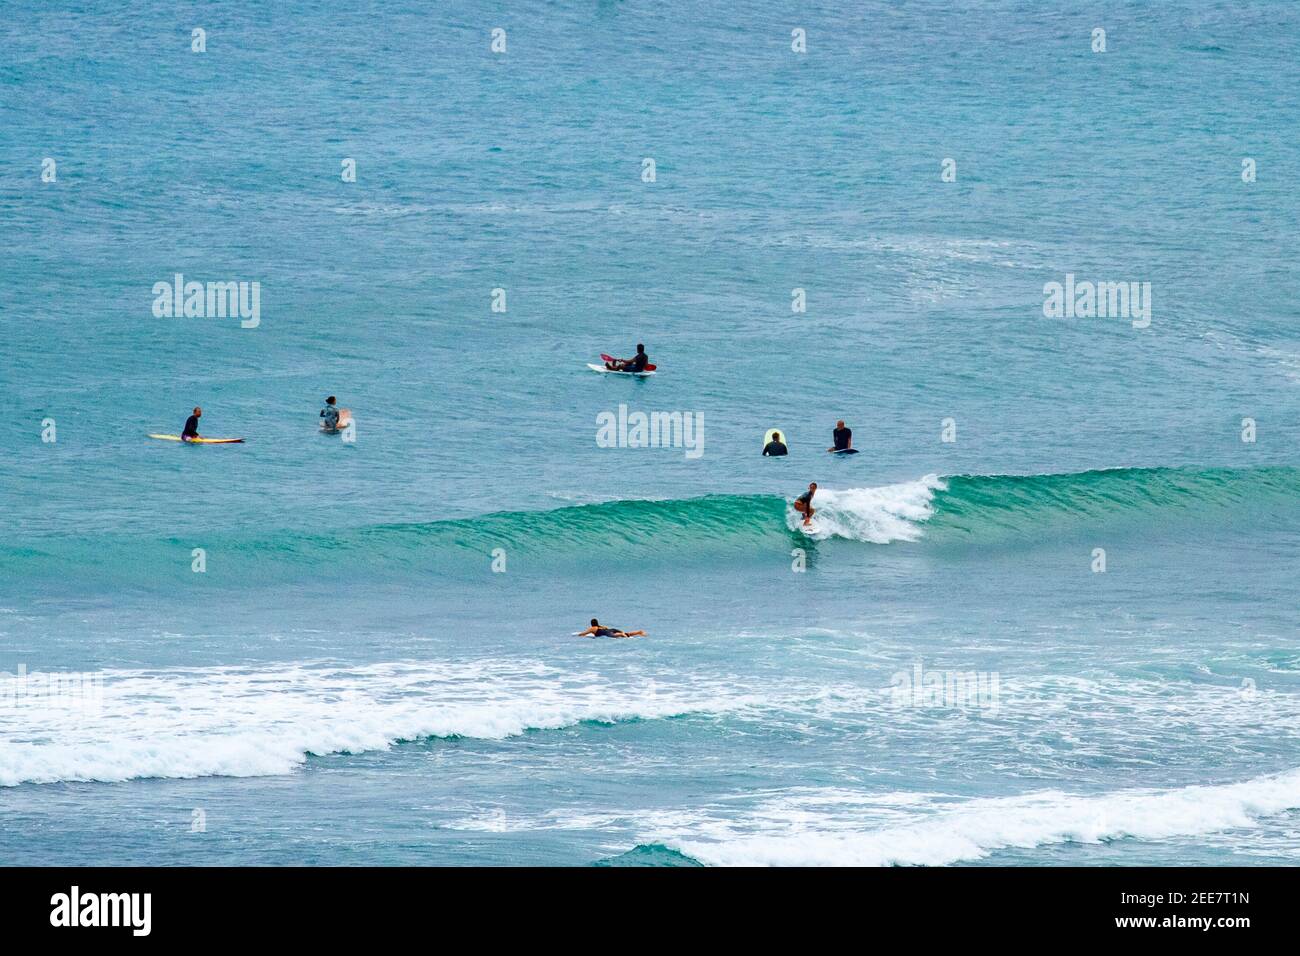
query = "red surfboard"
x=609 y=358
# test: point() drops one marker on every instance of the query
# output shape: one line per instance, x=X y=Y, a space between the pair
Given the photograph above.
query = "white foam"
x=249 y=722
x=877 y=515
x=802 y=831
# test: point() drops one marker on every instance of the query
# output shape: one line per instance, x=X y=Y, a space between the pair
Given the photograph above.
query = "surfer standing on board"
x=803 y=504
x=635 y=364
x=599 y=630
x=191 y=430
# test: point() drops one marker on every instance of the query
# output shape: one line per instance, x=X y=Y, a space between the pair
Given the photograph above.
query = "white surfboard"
x=610 y=371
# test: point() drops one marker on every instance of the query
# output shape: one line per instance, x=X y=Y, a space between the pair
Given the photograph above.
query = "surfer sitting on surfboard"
x=334 y=419
x=191 y=429
x=597 y=630
x=775 y=448
x=330 y=414
x=635 y=364
x=843 y=438
x=803 y=504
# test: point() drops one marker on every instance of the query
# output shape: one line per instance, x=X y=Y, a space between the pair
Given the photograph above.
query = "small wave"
x=653 y=854
x=960 y=507
x=810 y=833
x=120 y=725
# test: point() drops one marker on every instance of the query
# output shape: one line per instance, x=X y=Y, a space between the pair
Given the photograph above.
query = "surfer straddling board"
x=334 y=419
x=775 y=448
x=635 y=365
x=191 y=429
x=843 y=440
x=190 y=433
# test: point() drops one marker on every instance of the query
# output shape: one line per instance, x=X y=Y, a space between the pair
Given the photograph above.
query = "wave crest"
x=962 y=507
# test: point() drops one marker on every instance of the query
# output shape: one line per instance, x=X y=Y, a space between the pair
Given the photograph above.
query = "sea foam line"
x=794 y=835
x=238 y=722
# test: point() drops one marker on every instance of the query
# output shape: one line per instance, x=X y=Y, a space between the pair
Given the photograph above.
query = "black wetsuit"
x=775 y=449
x=806 y=498
x=606 y=632
x=638 y=363
x=842 y=438
x=191 y=427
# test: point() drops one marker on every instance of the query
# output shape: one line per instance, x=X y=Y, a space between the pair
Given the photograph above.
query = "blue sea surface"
x=1046 y=616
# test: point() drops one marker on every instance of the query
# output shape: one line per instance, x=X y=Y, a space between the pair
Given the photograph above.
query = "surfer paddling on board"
x=842 y=438
x=803 y=504
x=599 y=630
x=191 y=429
x=635 y=364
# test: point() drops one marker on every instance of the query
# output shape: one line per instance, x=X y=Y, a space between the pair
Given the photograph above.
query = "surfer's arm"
x=589 y=632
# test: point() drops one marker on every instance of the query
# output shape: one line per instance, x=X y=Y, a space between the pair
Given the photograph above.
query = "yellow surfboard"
x=199 y=441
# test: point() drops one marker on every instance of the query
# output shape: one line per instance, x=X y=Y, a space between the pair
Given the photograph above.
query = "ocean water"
x=1067 y=636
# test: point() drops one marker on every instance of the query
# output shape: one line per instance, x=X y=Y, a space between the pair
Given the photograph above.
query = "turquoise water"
x=376 y=664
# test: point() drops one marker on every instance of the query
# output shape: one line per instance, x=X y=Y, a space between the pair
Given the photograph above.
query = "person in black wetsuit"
x=637 y=363
x=191 y=430
x=803 y=504
x=775 y=448
x=843 y=437
x=598 y=630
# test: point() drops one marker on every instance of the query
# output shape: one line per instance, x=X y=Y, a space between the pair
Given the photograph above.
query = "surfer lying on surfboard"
x=635 y=364
x=803 y=504
x=598 y=630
